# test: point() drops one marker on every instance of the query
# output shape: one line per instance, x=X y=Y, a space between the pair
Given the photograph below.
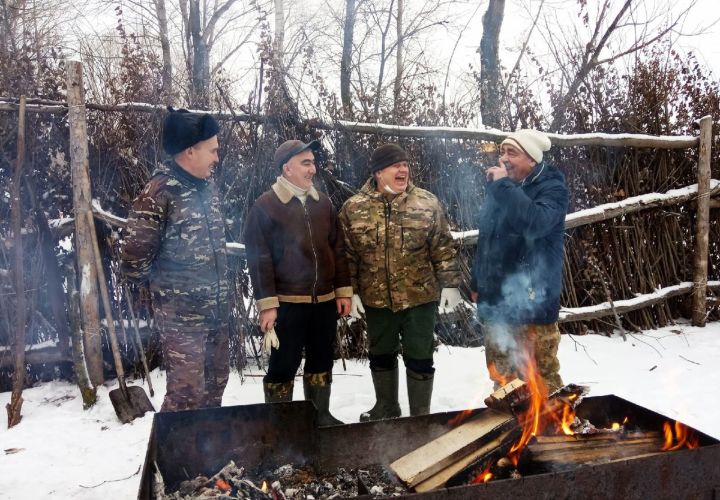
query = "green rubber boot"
x=386 y=396
x=419 y=387
x=278 y=392
x=316 y=387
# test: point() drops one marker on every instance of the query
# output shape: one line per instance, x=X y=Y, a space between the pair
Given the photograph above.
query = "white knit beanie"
x=533 y=142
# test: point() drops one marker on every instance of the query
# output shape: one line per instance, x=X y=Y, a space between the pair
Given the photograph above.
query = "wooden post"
x=82 y=195
x=702 y=225
x=16 y=400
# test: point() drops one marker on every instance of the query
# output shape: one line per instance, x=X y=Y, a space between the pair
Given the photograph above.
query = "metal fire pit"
x=186 y=444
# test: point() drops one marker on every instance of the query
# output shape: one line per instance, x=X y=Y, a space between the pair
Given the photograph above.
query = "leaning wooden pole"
x=16 y=400
x=82 y=194
x=702 y=225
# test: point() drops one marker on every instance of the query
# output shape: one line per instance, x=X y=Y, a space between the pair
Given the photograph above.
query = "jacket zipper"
x=312 y=245
x=388 y=207
x=215 y=259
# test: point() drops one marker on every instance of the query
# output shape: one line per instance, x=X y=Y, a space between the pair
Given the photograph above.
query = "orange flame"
x=264 y=487
x=483 y=477
x=496 y=375
x=682 y=437
x=223 y=485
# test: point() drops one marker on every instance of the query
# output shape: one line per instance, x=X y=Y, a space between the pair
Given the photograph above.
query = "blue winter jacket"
x=517 y=270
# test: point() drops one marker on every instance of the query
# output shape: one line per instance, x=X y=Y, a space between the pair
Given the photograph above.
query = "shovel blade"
x=135 y=405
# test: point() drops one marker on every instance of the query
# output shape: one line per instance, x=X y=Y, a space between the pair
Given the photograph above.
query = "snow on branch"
x=624 y=306
x=495 y=135
x=616 y=209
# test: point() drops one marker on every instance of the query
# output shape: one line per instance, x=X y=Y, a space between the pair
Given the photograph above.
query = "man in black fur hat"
x=175 y=239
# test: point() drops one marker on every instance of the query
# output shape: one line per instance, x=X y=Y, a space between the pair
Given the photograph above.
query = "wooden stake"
x=16 y=400
x=702 y=225
x=82 y=194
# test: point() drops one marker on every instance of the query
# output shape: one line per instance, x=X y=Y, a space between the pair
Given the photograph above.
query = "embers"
x=287 y=482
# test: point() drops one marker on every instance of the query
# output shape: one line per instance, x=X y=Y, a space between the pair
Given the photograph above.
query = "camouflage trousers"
x=197 y=367
x=509 y=349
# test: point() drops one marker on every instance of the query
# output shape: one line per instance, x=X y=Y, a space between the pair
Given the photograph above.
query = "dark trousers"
x=312 y=327
x=197 y=367
x=411 y=330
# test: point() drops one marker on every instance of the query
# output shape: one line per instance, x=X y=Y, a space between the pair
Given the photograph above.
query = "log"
x=433 y=457
x=79 y=164
x=16 y=400
x=482 y=457
x=702 y=225
x=494 y=135
x=554 y=453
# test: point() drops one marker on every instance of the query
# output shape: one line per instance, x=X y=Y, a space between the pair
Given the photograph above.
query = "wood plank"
x=492 y=450
x=438 y=454
x=556 y=452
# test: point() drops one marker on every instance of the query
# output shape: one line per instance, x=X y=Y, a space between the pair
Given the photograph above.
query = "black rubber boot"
x=386 y=396
x=419 y=387
x=278 y=392
x=316 y=387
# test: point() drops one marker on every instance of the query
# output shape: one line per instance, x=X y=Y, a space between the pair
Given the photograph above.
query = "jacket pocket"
x=414 y=235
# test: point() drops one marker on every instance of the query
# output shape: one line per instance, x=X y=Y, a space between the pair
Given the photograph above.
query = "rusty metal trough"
x=185 y=444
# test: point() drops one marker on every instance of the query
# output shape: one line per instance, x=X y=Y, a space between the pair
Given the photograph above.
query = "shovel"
x=129 y=402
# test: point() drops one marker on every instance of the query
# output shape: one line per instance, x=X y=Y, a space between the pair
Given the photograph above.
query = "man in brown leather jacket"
x=300 y=278
x=175 y=239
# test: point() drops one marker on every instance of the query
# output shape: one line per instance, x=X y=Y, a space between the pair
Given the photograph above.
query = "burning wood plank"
x=562 y=452
x=435 y=456
x=487 y=453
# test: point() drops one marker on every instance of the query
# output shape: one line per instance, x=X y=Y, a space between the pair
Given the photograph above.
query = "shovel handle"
x=138 y=339
x=106 y=304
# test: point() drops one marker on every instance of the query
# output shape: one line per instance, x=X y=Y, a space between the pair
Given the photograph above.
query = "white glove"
x=356 y=307
x=450 y=299
x=270 y=340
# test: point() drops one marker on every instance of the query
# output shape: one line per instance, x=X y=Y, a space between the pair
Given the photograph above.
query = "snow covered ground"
x=61 y=451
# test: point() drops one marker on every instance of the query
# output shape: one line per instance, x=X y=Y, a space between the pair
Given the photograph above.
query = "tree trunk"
x=52 y=268
x=16 y=400
x=346 y=61
x=166 y=89
x=490 y=105
x=399 y=63
x=200 y=62
x=82 y=195
x=279 y=42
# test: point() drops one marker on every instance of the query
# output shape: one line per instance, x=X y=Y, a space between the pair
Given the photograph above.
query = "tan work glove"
x=270 y=341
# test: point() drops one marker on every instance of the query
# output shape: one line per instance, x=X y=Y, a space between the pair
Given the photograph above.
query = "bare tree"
x=346 y=61
x=398 y=59
x=490 y=103
x=607 y=42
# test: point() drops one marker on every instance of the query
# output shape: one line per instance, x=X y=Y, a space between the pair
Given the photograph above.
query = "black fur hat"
x=386 y=155
x=183 y=129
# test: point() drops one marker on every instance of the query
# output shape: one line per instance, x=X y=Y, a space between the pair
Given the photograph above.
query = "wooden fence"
x=701 y=193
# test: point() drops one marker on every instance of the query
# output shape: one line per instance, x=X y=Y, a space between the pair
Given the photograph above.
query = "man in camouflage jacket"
x=176 y=240
x=401 y=254
x=300 y=278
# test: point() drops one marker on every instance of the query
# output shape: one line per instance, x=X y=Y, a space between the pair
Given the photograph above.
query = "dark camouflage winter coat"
x=517 y=270
x=176 y=240
x=400 y=252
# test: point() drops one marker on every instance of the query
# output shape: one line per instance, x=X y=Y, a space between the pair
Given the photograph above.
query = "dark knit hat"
x=386 y=155
x=183 y=129
x=290 y=148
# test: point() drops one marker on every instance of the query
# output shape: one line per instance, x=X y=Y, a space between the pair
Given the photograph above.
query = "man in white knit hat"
x=516 y=277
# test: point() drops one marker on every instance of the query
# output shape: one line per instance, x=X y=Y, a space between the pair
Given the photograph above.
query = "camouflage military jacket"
x=400 y=252
x=176 y=239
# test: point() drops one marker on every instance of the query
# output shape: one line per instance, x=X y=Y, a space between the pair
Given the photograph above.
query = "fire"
x=223 y=485
x=678 y=436
x=264 y=487
x=615 y=426
x=497 y=376
x=484 y=477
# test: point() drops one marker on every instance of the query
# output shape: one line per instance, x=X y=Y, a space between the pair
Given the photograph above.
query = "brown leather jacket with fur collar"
x=295 y=252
